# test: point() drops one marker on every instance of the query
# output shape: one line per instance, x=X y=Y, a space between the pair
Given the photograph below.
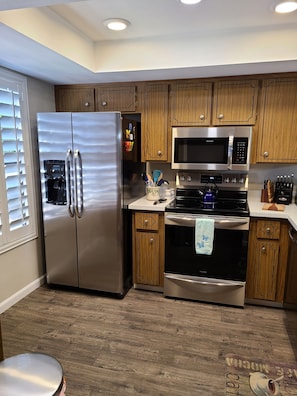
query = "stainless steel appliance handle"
x=222 y=223
x=203 y=283
x=78 y=177
x=291 y=232
x=230 y=152
x=69 y=182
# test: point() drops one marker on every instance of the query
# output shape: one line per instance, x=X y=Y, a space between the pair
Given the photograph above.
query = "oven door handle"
x=190 y=222
x=204 y=283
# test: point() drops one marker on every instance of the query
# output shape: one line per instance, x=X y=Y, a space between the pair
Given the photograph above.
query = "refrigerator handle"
x=69 y=182
x=78 y=177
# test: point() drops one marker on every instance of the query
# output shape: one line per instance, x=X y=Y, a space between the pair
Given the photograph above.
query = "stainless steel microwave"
x=213 y=148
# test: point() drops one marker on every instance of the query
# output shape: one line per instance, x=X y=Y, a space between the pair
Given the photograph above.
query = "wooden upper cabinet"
x=116 y=98
x=75 y=98
x=190 y=103
x=235 y=102
x=277 y=140
x=154 y=122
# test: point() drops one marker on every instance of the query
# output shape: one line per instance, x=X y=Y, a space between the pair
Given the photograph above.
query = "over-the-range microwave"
x=213 y=148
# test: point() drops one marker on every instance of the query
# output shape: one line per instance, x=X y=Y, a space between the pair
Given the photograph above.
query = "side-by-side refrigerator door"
x=97 y=161
x=56 y=151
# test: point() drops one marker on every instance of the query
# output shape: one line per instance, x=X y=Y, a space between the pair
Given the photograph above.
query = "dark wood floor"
x=144 y=344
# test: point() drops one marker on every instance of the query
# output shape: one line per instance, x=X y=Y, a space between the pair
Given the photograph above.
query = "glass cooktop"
x=225 y=202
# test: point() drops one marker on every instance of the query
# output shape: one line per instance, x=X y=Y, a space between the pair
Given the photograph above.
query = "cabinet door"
x=235 y=102
x=146 y=265
x=74 y=99
x=155 y=122
x=190 y=103
x=116 y=98
x=291 y=283
x=278 y=119
x=262 y=270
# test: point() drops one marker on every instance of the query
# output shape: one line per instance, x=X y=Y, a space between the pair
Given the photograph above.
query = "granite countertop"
x=255 y=205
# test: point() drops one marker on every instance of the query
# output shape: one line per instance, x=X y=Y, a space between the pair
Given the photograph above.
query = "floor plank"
x=144 y=344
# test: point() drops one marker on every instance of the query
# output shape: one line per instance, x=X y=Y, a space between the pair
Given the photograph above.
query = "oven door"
x=219 y=277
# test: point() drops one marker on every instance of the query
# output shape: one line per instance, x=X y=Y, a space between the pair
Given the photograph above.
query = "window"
x=17 y=218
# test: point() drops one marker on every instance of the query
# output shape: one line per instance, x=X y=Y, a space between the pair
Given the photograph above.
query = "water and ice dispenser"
x=55 y=182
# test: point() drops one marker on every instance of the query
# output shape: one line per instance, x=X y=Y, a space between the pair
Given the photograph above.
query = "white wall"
x=22 y=269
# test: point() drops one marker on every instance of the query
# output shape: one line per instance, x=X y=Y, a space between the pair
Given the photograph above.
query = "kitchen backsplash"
x=257 y=173
x=260 y=172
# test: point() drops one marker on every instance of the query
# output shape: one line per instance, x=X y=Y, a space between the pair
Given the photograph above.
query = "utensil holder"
x=152 y=193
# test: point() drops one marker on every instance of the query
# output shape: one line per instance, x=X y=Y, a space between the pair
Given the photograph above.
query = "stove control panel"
x=229 y=180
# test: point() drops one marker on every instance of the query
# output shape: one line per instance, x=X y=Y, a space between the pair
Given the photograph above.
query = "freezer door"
x=97 y=151
x=55 y=139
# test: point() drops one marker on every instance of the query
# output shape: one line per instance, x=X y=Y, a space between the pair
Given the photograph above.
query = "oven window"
x=201 y=150
x=228 y=259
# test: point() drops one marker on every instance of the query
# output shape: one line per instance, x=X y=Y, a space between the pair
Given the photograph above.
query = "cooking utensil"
x=160 y=201
x=157 y=175
x=162 y=181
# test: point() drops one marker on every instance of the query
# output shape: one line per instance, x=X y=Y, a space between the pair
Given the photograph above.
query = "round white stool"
x=31 y=374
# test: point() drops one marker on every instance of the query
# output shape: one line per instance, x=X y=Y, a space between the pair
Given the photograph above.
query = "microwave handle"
x=230 y=152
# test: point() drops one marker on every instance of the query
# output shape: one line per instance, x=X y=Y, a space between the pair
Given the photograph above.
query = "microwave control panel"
x=240 y=149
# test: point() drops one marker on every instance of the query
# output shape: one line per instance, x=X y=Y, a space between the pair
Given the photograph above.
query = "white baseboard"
x=9 y=302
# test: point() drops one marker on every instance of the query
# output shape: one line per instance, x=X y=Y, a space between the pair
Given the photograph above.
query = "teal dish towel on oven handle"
x=204 y=234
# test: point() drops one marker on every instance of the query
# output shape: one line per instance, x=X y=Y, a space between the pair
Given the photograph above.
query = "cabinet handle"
x=268 y=230
x=266 y=154
x=145 y=221
x=151 y=240
x=202 y=117
x=104 y=103
x=87 y=104
x=159 y=153
x=220 y=116
x=263 y=249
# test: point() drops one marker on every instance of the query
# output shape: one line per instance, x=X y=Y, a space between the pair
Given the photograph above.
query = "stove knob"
x=227 y=180
x=182 y=178
x=189 y=178
x=234 y=180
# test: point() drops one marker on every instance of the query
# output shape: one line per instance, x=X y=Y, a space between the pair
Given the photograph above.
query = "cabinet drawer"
x=147 y=221
x=268 y=229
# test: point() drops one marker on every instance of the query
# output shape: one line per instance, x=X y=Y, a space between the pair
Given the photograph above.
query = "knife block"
x=264 y=195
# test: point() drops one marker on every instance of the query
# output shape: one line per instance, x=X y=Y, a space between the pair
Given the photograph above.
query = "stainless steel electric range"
x=219 y=276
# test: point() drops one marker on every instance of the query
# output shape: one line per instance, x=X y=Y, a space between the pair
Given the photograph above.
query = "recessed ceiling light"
x=116 y=24
x=285 y=7
x=190 y=1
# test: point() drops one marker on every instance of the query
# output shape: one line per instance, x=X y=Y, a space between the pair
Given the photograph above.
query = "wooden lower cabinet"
x=148 y=250
x=1 y=344
x=267 y=260
x=291 y=279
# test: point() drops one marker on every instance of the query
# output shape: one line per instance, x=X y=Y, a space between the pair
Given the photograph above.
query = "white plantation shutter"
x=17 y=219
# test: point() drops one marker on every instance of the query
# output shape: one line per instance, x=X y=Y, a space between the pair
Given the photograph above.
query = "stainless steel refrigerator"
x=82 y=200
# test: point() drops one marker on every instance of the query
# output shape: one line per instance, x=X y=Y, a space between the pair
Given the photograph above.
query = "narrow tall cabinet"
x=154 y=122
x=148 y=250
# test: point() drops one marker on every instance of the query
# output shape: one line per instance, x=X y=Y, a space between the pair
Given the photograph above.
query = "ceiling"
x=66 y=42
